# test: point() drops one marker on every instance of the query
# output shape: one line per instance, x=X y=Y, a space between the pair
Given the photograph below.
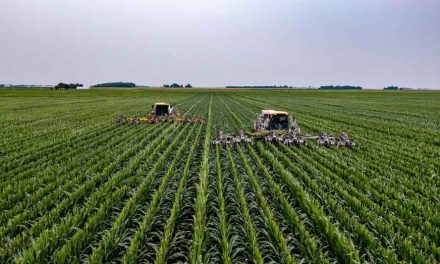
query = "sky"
x=371 y=43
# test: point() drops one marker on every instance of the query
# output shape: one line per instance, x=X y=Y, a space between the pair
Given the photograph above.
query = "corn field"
x=76 y=187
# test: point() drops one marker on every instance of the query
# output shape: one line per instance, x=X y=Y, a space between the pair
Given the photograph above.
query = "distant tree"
x=188 y=86
x=173 y=85
x=65 y=86
x=391 y=88
x=75 y=86
x=260 y=86
x=116 y=84
x=60 y=86
x=340 y=87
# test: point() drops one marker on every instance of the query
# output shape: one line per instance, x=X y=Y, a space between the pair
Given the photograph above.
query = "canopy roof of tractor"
x=273 y=112
x=161 y=103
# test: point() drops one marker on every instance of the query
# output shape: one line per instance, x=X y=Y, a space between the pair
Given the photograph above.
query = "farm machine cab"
x=273 y=120
x=162 y=109
x=277 y=126
x=281 y=127
x=162 y=112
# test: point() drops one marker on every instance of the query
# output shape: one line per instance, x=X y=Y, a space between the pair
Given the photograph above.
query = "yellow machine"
x=161 y=112
x=163 y=109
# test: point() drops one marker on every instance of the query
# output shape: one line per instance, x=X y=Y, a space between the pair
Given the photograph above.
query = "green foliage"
x=65 y=86
x=340 y=87
x=116 y=85
x=77 y=187
x=391 y=88
x=173 y=85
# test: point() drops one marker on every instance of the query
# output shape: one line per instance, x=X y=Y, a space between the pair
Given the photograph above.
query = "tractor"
x=277 y=126
x=269 y=126
x=161 y=112
x=273 y=120
x=280 y=127
x=163 y=109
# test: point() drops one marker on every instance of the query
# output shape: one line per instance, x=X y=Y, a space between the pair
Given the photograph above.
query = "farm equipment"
x=341 y=141
x=325 y=140
x=344 y=141
x=241 y=138
x=161 y=112
x=280 y=127
x=222 y=139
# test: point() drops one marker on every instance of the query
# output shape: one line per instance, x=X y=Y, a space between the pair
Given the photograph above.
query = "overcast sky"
x=372 y=43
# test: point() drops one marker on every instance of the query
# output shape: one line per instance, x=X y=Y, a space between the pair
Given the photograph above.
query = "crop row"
x=162 y=193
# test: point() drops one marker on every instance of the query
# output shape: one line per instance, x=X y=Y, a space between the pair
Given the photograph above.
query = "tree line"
x=340 y=87
x=116 y=84
x=391 y=88
x=65 y=86
x=176 y=85
x=259 y=86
